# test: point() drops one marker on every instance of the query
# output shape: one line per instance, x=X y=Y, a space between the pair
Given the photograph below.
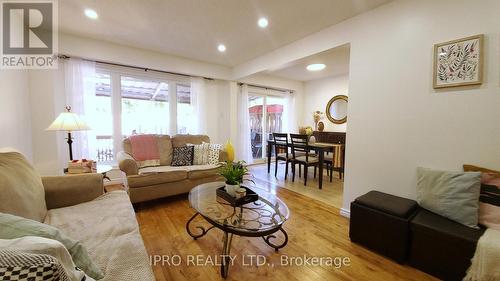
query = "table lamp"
x=69 y=122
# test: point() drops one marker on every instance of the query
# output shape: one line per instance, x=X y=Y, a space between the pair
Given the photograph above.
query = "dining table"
x=319 y=147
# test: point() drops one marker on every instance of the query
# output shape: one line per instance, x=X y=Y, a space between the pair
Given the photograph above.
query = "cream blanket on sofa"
x=107 y=227
x=486 y=261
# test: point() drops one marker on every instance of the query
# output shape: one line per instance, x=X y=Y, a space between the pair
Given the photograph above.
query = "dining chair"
x=300 y=154
x=281 y=143
x=328 y=160
x=255 y=143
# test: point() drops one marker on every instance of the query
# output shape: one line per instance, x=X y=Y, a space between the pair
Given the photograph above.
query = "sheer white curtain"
x=79 y=86
x=243 y=150
x=199 y=99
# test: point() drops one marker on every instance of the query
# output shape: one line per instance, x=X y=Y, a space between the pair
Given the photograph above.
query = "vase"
x=321 y=126
x=232 y=188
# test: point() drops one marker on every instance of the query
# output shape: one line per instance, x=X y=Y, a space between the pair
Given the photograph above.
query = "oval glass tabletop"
x=265 y=214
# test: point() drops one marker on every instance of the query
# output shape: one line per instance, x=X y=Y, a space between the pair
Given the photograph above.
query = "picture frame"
x=458 y=62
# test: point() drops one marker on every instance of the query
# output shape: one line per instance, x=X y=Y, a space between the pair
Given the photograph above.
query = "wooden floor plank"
x=314 y=228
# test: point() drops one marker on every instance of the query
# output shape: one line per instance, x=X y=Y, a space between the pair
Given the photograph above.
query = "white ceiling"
x=336 y=61
x=194 y=28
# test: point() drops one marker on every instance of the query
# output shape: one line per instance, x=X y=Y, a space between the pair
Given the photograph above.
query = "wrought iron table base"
x=227 y=239
x=276 y=247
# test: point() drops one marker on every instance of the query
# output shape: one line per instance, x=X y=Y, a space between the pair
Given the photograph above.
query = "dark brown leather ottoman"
x=380 y=222
x=442 y=247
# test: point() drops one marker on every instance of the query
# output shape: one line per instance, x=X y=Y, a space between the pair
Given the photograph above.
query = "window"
x=145 y=107
x=265 y=117
x=103 y=128
x=185 y=110
x=131 y=102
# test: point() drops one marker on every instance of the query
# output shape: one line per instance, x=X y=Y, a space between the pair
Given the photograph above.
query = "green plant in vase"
x=234 y=173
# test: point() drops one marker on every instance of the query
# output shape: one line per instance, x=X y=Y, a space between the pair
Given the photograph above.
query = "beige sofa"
x=156 y=182
x=76 y=204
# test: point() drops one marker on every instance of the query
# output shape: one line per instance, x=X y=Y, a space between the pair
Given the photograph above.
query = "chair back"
x=300 y=143
x=280 y=142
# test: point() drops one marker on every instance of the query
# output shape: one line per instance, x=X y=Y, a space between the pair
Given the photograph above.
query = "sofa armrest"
x=69 y=190
x=127 y=163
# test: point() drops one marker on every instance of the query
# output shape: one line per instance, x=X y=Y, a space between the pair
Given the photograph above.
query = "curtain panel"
x=79 y=87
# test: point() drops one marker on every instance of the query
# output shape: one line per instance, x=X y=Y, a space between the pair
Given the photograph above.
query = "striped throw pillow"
x=489 y=200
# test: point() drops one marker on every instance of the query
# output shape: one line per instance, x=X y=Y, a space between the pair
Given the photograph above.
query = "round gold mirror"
x=336 y=109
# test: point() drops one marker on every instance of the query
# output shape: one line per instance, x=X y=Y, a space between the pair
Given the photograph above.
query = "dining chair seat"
x=328 y=157
x=310 y=159
x=283 y=155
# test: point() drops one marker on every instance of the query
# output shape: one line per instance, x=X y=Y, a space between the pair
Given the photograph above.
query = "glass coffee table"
x=262 y=218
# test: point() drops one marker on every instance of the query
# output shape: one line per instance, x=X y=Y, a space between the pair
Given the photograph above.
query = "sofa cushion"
x=201 y=153
x=28 y=253
x=194 y=171
x=152 y=178
x=203 y=171
x=183 y=140
x=164 y=169
x=107 y=227
x=17 y=265
x=165 y=147
x=213 y=155
x=454 y=195
x=388 y=203
x=12 y=227
x=183 y=156
x=21 y=188
x=145 y=150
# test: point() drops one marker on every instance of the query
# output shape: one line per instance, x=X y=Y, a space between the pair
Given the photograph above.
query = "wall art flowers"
x=458 y=62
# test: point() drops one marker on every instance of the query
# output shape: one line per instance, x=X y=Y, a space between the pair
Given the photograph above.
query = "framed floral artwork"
x=458 y=62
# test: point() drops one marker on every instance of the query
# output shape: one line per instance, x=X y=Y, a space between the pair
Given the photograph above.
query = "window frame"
x=116 y=73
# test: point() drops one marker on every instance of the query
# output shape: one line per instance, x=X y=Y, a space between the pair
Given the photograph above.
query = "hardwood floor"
x=331 y=193
x=315 y=229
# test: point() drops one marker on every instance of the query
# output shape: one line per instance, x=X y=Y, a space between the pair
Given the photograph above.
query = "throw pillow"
x=12 y=227
x=454 y=195
x=183 y=156
x=16 y=265
x=213 y=156
x=201 y=153
x=22 y=191
x=38 y=254
x=489 y=200
x=145 y=150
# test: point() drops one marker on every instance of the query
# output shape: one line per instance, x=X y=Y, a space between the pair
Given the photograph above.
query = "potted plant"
x=234 y=173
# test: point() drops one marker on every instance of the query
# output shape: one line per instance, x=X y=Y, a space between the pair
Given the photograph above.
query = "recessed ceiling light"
x=221 y=48
x=316 y=67
x=263 y=22
x=91 y=14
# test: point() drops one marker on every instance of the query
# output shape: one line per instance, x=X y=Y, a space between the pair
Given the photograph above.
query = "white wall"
x=397 y=121
x=15 y=124
x=109 y=52
x=318 y=93
x=47 y=100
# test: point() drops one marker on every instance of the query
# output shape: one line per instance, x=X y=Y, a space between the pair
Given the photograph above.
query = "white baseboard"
x=345 y=213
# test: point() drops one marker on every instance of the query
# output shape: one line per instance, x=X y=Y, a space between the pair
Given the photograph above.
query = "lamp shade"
x=68 y=121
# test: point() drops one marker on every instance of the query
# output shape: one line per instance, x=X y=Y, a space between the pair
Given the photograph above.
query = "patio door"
x=266 y=115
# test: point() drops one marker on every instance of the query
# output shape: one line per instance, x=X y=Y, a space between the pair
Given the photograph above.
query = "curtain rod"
x=266 y=87
x=61 y=56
